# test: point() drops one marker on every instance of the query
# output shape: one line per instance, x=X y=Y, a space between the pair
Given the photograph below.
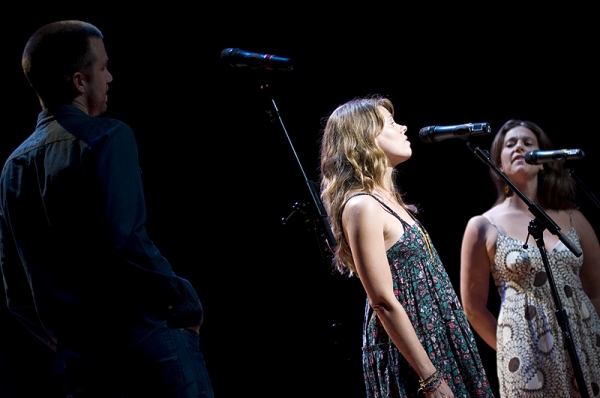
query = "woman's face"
x=517 y=142
x=392 y=139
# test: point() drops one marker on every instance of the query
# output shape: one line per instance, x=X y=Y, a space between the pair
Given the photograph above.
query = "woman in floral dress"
x=416 y=338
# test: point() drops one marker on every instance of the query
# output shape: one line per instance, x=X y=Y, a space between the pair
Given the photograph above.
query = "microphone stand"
x=327 y=235
x=536 y=229
x=321 y=224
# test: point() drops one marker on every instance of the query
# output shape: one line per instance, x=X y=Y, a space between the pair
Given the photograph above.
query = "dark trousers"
x=165 y=363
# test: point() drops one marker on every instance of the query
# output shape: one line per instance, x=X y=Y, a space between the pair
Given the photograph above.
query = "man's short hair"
x=53 y=54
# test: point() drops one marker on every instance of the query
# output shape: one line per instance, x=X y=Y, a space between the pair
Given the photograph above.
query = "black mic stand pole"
x=327 y=234
x=536 y=229
x=314 y=194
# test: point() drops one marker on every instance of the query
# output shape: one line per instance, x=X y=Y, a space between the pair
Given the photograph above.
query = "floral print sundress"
x=424 y=289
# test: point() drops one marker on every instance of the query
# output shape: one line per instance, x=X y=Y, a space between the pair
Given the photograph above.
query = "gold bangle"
x=428 y=380
x=431 y=383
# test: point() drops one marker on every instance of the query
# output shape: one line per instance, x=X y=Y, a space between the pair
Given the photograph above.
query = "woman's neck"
x=515 y=202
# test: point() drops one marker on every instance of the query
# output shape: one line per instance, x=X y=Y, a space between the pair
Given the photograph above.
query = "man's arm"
x=16 y=286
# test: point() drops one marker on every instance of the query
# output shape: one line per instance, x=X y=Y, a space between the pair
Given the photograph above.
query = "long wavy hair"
x=352 y=162
x=556 y=189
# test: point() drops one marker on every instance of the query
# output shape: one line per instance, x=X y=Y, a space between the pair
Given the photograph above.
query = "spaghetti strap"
x=386 y=207
x=491 y=222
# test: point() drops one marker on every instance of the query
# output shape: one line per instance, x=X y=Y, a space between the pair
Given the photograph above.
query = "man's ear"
x=78 y=82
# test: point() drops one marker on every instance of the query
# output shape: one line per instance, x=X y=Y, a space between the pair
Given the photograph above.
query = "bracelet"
x=435 y=375
x=431 y=383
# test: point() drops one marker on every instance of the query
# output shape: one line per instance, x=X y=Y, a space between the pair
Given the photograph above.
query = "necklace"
x=426 y=237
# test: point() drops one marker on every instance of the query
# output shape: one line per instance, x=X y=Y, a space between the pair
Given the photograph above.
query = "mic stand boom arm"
x=536 y=229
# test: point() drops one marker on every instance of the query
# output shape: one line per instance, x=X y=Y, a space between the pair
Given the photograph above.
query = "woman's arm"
x=477 y=252
x=590 y=270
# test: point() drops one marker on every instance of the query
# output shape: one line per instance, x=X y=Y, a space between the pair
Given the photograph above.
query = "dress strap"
x=386 y=207
x=491 y=222
x=418 y=224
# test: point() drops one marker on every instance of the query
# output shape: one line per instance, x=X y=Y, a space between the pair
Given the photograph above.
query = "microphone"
x=245 y=59
x=464 y=131
x=560 y=155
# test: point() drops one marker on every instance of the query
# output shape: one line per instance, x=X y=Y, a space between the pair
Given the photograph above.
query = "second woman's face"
x=392 y=139
x=517 y=142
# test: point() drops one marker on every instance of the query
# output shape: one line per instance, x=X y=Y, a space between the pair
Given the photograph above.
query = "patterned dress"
x=423 y=287
x=532 y=358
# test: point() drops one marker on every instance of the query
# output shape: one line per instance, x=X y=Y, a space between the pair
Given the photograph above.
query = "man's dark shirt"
x=74 y=251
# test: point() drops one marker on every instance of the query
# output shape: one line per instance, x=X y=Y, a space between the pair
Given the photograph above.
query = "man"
x=79 y=269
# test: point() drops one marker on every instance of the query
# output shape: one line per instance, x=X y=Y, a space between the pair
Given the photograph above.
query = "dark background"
x=220 y=174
